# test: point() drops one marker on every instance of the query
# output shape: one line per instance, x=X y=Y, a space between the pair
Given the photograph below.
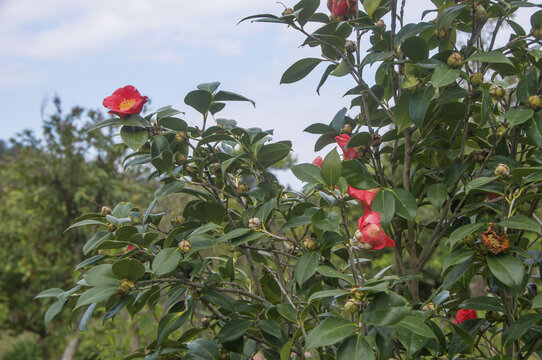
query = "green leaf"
x=171 y=322
x=536 y=19
x=479 y=182
x=486 y=303
x=133 y=136
x=235 y=233
x=456 y=273
x=384 y=204
x=103 y=124
x=173 y=123
x=437 y=194
x=401 y=112
x=463 y=232
x=86 y=317
x=444 y=75
x=415 y=48
x=299 y=70
x=199 y=99
x=355 y=348
x=419 y=102
x=370 y=6
x=54 y=292
x=416 y=325
x=519 y=327
x=96 y=294
x=166 y=261
x=297 y=221
x=507 y=269
x=386 y=309
x=332 y=273
x=233 y=330
x=521 y=222
x=273 y=153
x=96 y=240
x=307 y=9
x=451 y=94
x=306 y=267
x=308 y=173
x=537 y=301
x=101 y=275
x=332 y=168
x=518 y=116
x=495 y=57
x=330 y=331
x=229 y=96
x=405 y=204
x=528 y=85
x=287 y=312
x=458 y=256
x=326 y=293
x=130 y=269
x=53 y=311
x=85 y=223
x=169 y=188
x=358 y=176
x=448 y=15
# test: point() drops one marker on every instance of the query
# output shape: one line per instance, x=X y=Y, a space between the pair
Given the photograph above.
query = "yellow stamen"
x=127 y=104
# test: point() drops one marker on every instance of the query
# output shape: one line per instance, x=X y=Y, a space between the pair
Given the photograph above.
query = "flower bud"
x=110 y=227
x=441 y=34
x=502 y=170
x=255 y=223
x=350 y=46
x=181 y=136
x=537 y=32
x=185 y=246
x=125 y=286
x=480 y=14
x=479 y=156
x=346 y=129
x=376 y=140
x=350 y=306
x=534 y=102
x=365 y=246
x=381 y=24
x=106 y=210
x=455 y=60
x=287 y=11
x=469 y=240
x=492 y=316
x=223 y=354
x=309 y=243
x=180 y=159
x=501 y=130
x=242 y=188
x=358 y=235
x=497 y=92
x=476 y=79
x=524 y=207
x=179 y=220
x=191 y=169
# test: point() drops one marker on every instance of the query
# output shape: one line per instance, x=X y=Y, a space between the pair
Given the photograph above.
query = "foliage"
x=443 y=153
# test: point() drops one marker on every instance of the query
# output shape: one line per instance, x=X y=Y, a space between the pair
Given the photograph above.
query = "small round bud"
x=179 y=220
x=480 y=13
x=346 y=129
x=106 y=210
x=309 y=243
x=502 y=170
x=255 y=223
x=180 y=159
x=455 y=60
x=469 y=240
x=205 y=321
x=476 y=79
x=497 y=92
x=524 y=207
x=376 y=140
x=501 y=130
x=429 y=307
x=441 y=34
x=181 y=136
x=381 y=24
x=492 y=316
x=350 y=46
x=537 y=32
x=223 y=354
x=191 y=169
x=479 y=156
x=242 y=188
x=185 y=246
x=111 y=227
x=125 y=286
x=287 y=11
x=358 y=235
x=351 y=306
x=534 y=102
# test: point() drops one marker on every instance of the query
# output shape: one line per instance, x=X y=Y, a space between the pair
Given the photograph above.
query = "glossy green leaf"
x=463 y=232
x=519 y=327
x=405 y=204
x=448 y=15
x=96 y=294
x=326 y=293
x=287 y=312
x=305 y=267
x=332 y=273
x=415 y=48
x=273 y=153
x=299 y=70
x=479 y=182
x=370 y=6
x=134 y=137
x=308 y=173
x=331 y=168
x=233 y=330
x=485 y=303
x=384 y=204
x=330 y=331
x=417 y=326
x=358 y=176
x=521 y=222
x=386 y=309
x=356 y=347
x=444 y=75
x=518 y=116
x=53 y=311
x=507 y=269
x=199 y=99
x=166 y=261
x=419 y=102
x=230 y=96
x=537 y=301
x=494 y=57
x=437 y=194
x=130 y=269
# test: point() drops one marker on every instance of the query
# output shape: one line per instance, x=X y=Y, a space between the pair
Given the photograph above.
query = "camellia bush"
x=438 y=164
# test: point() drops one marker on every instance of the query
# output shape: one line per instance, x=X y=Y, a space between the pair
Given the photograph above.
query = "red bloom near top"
x=464 y=315
x=370 y=228
x=318 y=161
x=348 y=154
x=341 y=7
x=125 y=101
x=366 y=197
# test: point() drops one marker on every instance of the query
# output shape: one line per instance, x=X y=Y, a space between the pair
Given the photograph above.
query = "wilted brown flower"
x=496 y=243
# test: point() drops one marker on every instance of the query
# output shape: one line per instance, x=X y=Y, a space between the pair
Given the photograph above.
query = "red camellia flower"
x=464 y=315
x=366 y=197
x=372 y=233
x=318 y=161
x=125 y=101
x=342 y=140
x=341 y=7
x=129 y=248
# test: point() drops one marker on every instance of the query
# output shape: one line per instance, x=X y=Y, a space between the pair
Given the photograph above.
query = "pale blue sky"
x=84 y=50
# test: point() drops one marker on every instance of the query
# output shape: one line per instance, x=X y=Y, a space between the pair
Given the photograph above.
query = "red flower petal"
x=348 y=154
x=366 y=197
x=464 y=315
x=318 y=161
x=125 y=101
